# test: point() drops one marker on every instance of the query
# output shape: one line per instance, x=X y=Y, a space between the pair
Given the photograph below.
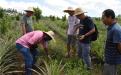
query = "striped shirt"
x=112 y=55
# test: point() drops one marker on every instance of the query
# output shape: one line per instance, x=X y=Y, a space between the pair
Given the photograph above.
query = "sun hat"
x=70 y=9
x=79 y=11
x=29 y=9
x=51 y=34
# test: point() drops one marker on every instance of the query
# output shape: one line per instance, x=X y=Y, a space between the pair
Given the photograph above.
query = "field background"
x=11 y=62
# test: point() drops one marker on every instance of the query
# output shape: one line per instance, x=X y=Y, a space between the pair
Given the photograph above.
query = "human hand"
x=81 y=37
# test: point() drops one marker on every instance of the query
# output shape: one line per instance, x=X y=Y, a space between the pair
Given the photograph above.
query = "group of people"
x=83 y=26
x=77 y=20
x=78 y=24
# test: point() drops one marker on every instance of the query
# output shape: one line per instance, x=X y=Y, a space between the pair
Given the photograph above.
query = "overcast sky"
x=56 y=7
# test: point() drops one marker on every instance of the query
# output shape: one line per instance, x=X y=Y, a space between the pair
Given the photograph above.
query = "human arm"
x=23 y=28
x=117 y=39
x=45 y=47
x=119 y=47
x=91 y=28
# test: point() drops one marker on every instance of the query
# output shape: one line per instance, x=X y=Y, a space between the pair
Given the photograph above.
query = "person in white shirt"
x=72 y=21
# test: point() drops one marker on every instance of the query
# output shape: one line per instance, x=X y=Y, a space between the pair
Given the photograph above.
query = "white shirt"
x=72 y=21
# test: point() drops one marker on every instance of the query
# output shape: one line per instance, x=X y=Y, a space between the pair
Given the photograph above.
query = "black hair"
x=47 y=37
x=109 y=13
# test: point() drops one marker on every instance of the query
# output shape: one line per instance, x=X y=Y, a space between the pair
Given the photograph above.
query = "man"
x=86 y=29
x=113 y=43
x=72 y=21
x=26 y=23
x=27 y=41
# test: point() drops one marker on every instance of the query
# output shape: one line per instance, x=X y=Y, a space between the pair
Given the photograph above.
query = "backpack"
x=95 y=35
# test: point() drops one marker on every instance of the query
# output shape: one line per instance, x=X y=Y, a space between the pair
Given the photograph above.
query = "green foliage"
x=64 y=18
x=58 y=64
x=8 y=61
x=58 y=18
x=53 y=67
x=17 y=17
x=37 y=13
x=52 y=18
x=97 y=19
x=1 y=13
x=10 y=10
x=98 y=45
x=5 y=24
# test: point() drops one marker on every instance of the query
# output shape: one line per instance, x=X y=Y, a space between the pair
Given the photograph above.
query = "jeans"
x=84 y=53
x=29 y=57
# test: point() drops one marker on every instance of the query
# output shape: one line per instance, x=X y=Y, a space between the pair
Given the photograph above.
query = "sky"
x=56 y=7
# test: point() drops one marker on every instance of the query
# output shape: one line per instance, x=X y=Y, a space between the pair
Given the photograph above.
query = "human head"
x=79 y=13
x=108 y=16
x=49 y=36
x=29 y=11
x=70 y=11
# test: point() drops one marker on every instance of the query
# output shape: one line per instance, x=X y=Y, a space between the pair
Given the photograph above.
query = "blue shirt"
x=112 y=55
x=88 y=25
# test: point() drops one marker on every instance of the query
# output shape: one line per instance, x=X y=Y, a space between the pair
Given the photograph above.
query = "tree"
x=64 y=18
x=52 y=18
x=37 y=13
x=58 y=18
x=1 y=13
x=17 y=17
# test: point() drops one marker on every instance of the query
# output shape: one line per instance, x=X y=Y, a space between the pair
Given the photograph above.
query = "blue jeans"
x=84 y=53
x=29 y=57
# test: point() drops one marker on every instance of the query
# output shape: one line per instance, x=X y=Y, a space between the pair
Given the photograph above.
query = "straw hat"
x=79 y=11
x=29 y=9
x=51 y=34
x=70 y=9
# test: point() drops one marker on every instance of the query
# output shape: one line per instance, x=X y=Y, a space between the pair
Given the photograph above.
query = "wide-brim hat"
x=51 y=34
x=79 y=11
x=70 y=9
x=29 y=9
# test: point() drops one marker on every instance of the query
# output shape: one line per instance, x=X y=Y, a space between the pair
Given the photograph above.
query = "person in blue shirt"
x=112 y=54
x=86 y=28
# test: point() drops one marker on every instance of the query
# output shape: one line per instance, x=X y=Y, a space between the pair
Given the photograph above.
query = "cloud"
x=20 y=6
x=56 y=7
x=96 y=7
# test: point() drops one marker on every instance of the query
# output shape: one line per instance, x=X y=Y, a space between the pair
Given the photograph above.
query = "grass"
x=50 y=68
x=8 y=61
